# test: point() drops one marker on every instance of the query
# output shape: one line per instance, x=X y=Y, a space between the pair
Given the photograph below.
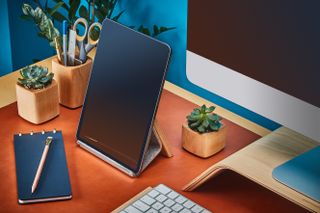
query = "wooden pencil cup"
x=72 y=82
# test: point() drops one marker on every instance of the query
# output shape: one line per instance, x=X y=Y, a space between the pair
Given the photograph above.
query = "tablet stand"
x=158 y=133
x=158 y=144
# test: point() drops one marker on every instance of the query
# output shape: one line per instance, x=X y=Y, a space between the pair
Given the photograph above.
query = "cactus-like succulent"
x=35 y=77
x=203 y=120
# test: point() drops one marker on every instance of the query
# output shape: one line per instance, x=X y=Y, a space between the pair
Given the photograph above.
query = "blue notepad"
x=54 y=183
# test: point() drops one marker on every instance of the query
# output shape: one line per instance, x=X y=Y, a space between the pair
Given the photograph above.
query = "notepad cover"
x=54 y=183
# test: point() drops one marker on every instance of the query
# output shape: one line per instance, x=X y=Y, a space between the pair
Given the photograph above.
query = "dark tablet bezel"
x=151 y=119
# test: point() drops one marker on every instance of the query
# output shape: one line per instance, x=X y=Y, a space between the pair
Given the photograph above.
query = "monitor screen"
x=260 y=55
x=123 y=93
x=274 y=42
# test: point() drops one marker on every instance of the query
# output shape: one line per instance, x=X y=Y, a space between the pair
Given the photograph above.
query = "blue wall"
x=5 y=50
x=162 y=13
x=25 y=44
x=20 y=43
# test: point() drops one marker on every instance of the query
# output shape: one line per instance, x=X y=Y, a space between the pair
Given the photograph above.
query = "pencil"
x=41 y=164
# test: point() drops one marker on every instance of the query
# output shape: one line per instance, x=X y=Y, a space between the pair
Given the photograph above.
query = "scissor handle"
x=90 y=40
x=85 y=23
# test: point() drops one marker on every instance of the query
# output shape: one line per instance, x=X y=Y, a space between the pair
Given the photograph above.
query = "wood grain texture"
x=245 y=123
x=72 y=82
x=166 y=150
x=38 y=106
x=257 y=160
x=203 y=145
x=8 y=84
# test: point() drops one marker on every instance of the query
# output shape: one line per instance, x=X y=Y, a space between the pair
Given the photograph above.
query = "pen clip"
x=48 y=140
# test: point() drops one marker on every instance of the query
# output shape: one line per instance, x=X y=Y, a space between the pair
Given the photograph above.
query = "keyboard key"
x=157 y=206
x=161 y=198
x=180 y=199
x=185 y=211
x=173 y=195
x=153 y=193
x=165 y=210
x=131 y=209
x=189 y=204
x=163 y=189
x=169 y=202
x=164 y=200
x=196 y=209
x=177 y=207
x=141 y=206
x=148 y=200
x=152 y=211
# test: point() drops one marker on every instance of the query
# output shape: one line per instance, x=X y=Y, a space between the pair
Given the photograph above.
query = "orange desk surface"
x=98 y=187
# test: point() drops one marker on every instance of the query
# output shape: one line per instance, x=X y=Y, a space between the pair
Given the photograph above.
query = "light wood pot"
x=72 y=82
x=203 y=145
x=38 y=106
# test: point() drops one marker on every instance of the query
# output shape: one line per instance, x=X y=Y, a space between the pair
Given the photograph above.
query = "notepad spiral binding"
x=42 y=132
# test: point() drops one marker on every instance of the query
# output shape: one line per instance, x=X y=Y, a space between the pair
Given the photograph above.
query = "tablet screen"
x=123 y=93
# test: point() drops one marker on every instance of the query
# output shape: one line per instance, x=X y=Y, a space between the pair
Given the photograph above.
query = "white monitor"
x=263 y=56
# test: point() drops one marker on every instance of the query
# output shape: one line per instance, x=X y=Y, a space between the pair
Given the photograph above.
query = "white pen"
x=41 y=164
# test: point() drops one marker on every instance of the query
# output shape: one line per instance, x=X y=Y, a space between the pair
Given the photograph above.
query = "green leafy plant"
x=45 y=25
x=203 y=120
x=94 y=10
x=35 y=77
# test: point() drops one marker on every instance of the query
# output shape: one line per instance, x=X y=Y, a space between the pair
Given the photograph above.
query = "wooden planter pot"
x=38 y=106
x=203 y=145
x=72 y=82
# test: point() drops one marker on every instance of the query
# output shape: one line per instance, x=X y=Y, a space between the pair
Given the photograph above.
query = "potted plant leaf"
x=37 y=95
x=204 y=134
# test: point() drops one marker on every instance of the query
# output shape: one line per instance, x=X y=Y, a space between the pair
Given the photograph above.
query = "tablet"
x=123 y=94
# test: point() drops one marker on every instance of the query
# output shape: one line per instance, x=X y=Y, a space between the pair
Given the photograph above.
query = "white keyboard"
x=163 y=199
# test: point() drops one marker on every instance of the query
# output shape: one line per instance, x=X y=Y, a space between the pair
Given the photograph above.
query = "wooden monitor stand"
x=257 y=161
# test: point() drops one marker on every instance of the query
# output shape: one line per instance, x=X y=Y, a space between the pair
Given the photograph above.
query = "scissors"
x=85 y=48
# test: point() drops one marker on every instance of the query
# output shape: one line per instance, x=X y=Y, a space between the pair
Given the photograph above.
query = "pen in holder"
x=72 y=82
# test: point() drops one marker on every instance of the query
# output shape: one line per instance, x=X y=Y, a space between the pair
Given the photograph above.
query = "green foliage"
x=45 y=25
x=35 y=77
x=156 y=30
x=102 y=9
x=203 y=120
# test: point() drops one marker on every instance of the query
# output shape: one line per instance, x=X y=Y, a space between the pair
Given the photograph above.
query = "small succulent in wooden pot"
x=204 y=134
x=37 y=94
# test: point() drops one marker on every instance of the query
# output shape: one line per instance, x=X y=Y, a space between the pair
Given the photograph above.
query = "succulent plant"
x=35 y=77
x=203 y=120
